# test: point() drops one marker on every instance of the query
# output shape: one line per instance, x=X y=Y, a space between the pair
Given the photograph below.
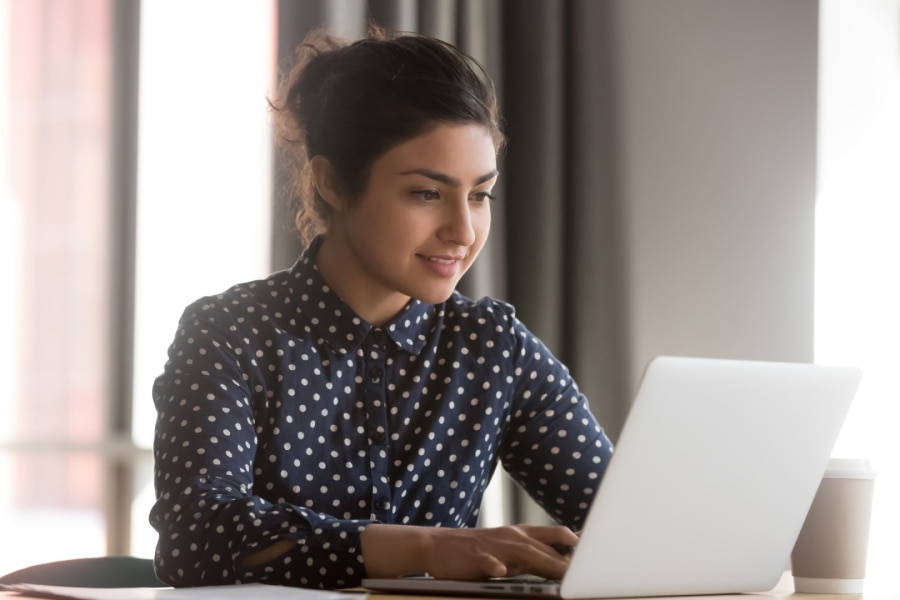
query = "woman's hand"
x=499 y=552
x=448 y=553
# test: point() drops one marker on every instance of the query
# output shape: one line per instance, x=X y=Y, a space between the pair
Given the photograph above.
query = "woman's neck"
x=342 y=272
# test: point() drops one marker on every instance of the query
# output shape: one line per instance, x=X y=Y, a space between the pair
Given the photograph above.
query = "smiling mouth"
x=443 y=266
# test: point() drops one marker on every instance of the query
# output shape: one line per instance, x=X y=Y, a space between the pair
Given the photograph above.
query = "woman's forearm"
x=394 y=550
x=388 y=550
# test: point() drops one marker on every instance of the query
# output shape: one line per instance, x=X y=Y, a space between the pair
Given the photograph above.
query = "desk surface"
x=785 y=589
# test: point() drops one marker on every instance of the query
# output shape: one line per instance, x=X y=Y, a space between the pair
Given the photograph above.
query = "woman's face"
x=419 y=224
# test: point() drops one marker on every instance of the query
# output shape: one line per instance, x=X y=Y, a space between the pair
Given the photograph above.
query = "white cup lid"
x=854 y=468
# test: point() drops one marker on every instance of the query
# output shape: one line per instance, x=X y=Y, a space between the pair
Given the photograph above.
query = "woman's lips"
x=443 y=266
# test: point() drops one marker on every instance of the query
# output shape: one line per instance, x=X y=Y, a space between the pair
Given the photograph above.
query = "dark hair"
x=351 y=103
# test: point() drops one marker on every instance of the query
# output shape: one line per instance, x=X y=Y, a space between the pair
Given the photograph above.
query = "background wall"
x=716 y=149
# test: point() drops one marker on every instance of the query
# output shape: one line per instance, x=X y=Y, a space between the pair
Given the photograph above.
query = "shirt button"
x=381 y=504
x=377 y=334
x=375 y=374
x=378 y=437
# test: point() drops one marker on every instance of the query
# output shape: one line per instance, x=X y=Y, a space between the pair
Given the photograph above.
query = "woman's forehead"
x=452 y=154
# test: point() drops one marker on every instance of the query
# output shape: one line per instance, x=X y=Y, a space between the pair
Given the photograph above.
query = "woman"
x=343 y=418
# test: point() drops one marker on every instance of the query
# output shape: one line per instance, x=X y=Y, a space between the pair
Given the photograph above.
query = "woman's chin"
x=435 y=296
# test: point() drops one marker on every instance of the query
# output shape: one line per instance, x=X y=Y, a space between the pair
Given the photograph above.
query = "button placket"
x=376 y=406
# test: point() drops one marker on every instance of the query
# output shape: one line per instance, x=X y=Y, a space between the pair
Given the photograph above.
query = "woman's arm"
x=219 y=517
x=447 y=553
x=555 y=448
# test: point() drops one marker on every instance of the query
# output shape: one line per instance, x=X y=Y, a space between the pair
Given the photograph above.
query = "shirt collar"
x=323 y=313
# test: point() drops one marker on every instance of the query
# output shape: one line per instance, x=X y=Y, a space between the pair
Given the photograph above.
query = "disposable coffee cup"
x=830 y=554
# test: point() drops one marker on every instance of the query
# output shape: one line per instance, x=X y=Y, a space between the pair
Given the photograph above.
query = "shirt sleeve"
x=207 y=512
x=555 y=448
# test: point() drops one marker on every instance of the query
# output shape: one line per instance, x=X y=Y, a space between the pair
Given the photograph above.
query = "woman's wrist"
x=394 y=550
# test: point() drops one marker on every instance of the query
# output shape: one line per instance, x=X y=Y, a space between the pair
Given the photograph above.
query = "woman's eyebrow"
x=447 y=179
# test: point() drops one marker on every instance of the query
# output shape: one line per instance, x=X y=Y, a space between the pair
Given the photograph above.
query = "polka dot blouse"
x=282 y=414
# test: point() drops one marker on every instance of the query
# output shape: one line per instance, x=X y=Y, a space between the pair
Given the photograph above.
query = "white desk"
x=784 y=590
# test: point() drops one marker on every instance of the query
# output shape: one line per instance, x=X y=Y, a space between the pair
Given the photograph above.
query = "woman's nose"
x=458 y=227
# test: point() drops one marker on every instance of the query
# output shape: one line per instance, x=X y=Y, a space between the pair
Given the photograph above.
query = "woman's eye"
x=484 y=196
x=427 y=194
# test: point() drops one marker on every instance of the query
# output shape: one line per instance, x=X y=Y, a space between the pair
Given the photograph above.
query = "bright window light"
x=857 y=247
x=204 y=176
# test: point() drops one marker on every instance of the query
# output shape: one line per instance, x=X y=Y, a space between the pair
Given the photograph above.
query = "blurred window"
x=204 y=177
x=55 y=105
x=202 y=217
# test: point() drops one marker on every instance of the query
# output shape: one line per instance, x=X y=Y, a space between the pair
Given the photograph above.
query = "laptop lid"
x=712 y=477
x=714 y=472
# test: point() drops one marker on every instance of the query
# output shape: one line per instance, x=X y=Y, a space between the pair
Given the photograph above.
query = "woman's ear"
x=326 y=182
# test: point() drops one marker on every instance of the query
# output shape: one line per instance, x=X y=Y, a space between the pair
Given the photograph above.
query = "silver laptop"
x=712 y=477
